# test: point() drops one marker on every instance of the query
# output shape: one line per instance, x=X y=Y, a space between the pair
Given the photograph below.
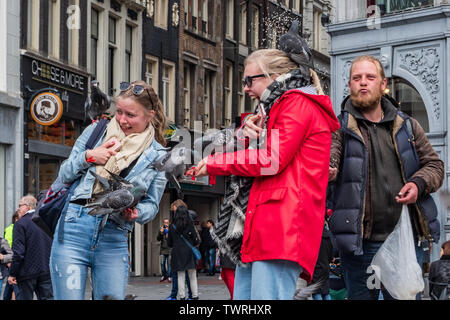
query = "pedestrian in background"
x=173 y=273
x=210 y=247
x=440 y=274
x=11 y=291
x=282 y=185
x=182 y=255
x=31 y=247
x=164 y=251
x=381 y=160
x=5 y=258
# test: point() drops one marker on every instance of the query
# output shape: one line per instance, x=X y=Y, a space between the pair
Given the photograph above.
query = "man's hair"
x=446 y=247
x=370 y=59
x=30 y=201
x=210 y=221
x=178 y=203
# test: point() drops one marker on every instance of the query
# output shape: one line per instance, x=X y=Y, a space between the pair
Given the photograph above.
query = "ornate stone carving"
x=175 y=15
x=345 y=77
x=424 y=65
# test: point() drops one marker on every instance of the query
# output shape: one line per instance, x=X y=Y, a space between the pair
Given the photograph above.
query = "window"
x=285 y=3
x=229 y=21
x=111 y=54
x=73 y=34
x=151 y=72
x=205 y=16
x=128 y=51
x=94 y=42
x=208 y=100
x=186 y=13
x=255 y=27
x=317 y=29
x=392 y=6
x=410 y=100
x=161 y=13
x=33 y=24
x=53 y=28
x=187 y=94
x=194 y=14
x=243 y=22
x=241 y=93
x=228 y=90
x=168 y=95
x=296 y=6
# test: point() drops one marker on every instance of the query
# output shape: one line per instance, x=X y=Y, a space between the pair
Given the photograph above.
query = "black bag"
x=50 y=208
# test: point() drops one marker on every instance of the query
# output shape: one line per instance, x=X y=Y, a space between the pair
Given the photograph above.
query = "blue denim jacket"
x=141 y=175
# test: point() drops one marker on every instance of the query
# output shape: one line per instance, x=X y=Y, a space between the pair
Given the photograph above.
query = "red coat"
x=286 y=207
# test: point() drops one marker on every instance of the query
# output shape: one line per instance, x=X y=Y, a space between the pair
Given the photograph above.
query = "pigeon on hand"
x=96 y=103
x=295 y=46
x=116 y=182
x=108 y=202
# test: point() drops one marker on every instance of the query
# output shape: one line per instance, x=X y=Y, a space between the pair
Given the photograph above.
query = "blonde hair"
x=150 y=102
x=372 y=59
x=274 y=61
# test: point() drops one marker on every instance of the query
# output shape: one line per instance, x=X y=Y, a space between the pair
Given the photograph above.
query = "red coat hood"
x=322 y=101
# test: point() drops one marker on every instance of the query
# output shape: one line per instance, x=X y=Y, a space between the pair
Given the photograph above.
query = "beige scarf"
x=132 y=147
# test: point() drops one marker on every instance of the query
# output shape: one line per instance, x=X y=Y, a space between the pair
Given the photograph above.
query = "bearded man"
x=380 y=160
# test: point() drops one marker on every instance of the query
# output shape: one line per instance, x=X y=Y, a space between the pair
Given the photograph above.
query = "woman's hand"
x=101 y=154
x=130 y=214
x=201 y=169
x=251 y=129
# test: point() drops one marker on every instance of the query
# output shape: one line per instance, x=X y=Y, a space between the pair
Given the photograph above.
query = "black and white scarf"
x=229 y=229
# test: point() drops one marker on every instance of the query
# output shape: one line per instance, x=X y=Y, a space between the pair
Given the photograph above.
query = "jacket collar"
x=390 y=110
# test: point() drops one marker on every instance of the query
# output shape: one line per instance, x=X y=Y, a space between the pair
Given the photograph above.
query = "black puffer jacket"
x=439 y=273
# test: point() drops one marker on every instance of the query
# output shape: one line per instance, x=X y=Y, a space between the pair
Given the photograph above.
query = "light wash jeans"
x=266 y=280
x=192 y=273
x=83 y=247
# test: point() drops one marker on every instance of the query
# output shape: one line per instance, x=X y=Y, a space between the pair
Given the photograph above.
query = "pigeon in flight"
x=96 y=103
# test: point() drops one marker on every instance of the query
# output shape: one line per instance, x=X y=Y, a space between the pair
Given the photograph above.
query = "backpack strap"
x=92 y=141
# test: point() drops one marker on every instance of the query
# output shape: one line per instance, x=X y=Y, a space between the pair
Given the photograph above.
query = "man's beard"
x=367 y=102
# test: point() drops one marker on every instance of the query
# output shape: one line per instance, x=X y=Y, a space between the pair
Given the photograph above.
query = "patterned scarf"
x=229 y=229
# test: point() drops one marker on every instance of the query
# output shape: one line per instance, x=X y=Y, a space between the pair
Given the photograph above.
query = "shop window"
x=64 y=132
x=393 y=6
x=410 y=100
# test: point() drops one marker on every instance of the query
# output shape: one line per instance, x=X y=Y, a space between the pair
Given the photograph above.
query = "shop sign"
x=46 y=108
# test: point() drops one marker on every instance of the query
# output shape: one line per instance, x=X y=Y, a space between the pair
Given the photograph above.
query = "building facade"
x=11 y=112
x=411 y=39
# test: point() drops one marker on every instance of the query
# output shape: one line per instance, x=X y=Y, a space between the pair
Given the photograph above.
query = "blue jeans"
x=165 y=265
x=318 y=296
x=7 y=294
x=266 y=280
x=212 y=260
x=356 y=272
x=83 y=247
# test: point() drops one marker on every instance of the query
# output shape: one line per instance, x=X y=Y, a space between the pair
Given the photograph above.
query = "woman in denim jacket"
x=134 y=138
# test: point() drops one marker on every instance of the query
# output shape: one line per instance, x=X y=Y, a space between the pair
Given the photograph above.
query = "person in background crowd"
x=5 y=258
x=11 y=291
x=440 y=274
x=182 y=256
x=31 y=247
x=375 y=170
x=164 y=251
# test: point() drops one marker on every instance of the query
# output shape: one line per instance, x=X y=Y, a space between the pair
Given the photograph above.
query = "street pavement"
x=149 y=288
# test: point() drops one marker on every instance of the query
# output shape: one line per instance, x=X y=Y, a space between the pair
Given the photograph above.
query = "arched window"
x=409 y=99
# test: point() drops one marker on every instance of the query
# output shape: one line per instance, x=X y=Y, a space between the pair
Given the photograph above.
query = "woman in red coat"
x=284 y=214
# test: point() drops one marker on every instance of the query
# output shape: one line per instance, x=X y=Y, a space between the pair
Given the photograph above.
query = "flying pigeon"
x=96 y=103
x=108 y=202
x=295 y=46
x=218 y=141
x=174 y=163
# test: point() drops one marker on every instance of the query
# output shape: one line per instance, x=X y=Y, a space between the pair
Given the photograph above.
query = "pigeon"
x=218 y=141
x=306 y=292
x=174 y=163
x=107 y=202
x=296 y=47
x=97 y=103
x=115 y=183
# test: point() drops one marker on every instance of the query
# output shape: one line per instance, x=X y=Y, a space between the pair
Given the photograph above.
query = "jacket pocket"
x=270 y=195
